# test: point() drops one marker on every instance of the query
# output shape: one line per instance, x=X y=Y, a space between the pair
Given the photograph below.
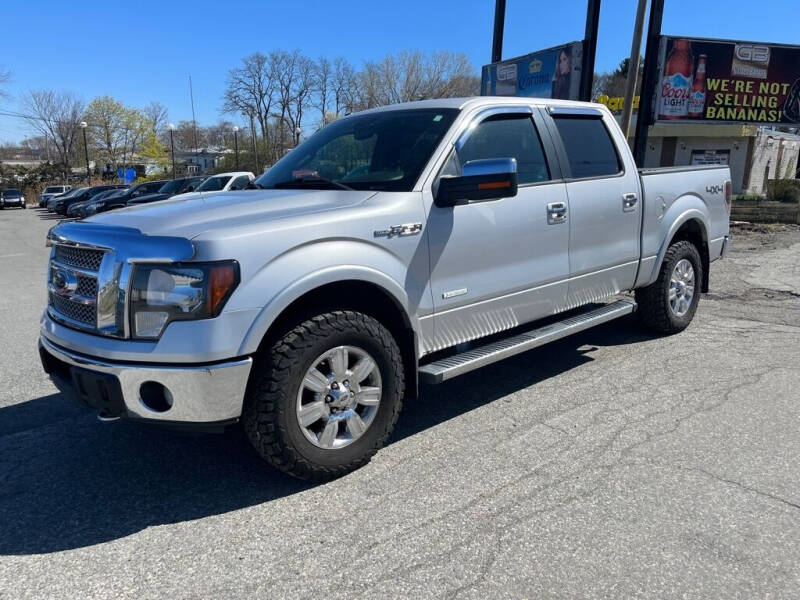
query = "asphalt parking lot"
x=610 y=464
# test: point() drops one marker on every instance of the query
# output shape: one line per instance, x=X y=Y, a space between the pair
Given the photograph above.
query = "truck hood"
x=190 y=215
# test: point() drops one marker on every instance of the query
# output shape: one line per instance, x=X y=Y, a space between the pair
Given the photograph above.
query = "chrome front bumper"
x=202 y=395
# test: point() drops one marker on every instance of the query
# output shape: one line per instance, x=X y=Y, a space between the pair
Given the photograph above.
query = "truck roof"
x=477 y=101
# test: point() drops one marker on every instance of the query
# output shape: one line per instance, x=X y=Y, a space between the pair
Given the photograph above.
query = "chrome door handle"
x=629 y=202
x=556 y=213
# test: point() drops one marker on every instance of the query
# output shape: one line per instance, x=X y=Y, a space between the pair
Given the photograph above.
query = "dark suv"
x=62 y=203
x=170 y=188
x=120 y=198
x=11 y=197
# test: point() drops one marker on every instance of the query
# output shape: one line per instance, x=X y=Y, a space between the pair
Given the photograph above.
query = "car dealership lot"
x=612 y=463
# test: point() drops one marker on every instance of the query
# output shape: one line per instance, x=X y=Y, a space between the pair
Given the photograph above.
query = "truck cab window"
x=509 y=136
x=590 y=150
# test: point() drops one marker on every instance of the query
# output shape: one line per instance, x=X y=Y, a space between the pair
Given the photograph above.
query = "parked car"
x=119 y=198
x=224 y=182
x=173 y=187
x=62 y=203
x=52 y=191
x=77 y=210
x=73 y=192
x=11 y=197
x=311 y=307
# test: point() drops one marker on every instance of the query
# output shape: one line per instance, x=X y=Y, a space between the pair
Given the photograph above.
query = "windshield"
x=213 y=184
x=53 y=190
x=375 y=151
x=11 y=193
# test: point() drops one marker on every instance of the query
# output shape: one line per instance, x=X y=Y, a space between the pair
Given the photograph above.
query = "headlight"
x=161 y=294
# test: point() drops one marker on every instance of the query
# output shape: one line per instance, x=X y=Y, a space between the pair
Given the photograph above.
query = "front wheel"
x=668 y=305
x=325 y=397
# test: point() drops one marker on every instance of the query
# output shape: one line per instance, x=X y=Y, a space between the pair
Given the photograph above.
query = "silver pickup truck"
x=409 y=243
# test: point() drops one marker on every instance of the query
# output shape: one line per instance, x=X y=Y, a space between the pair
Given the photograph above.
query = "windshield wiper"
x=308 y=181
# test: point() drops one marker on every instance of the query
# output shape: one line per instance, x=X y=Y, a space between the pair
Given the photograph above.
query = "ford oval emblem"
x=64 y=282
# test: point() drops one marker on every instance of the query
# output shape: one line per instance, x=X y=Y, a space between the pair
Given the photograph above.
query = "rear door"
x=604 y=205
x=499 y=263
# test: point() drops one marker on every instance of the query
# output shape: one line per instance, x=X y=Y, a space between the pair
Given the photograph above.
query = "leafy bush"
x=748 y=198
x=783 y=190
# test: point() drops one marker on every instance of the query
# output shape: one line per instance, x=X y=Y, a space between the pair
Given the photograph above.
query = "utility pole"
x=236 y=144
x=84 y=125
x=499 y=26
x=194 y=122
x=633 y=68
x=255 y=149
x=589 y=49
x=649 y=81
x=171 y=128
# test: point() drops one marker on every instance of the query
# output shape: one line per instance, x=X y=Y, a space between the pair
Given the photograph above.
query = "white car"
x=51 y=192
x=223 y=182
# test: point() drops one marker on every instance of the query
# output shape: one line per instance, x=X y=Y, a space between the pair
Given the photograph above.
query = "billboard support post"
x=589 y=49
x=633 y=68
x=649 y=81
x=499 y=26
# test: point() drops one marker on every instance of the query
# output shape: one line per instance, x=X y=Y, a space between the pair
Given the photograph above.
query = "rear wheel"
x=325 y=397
x=668 y=305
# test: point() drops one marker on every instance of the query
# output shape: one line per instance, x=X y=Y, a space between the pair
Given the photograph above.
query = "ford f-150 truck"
x=408 y=243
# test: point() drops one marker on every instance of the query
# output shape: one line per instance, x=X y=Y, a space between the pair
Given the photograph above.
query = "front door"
x=499 y=263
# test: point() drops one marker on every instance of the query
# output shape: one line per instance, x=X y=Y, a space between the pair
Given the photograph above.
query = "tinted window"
x=240 y=183
x=214 y=184
x=512 y=136
x=590 y=150
x=12 y=193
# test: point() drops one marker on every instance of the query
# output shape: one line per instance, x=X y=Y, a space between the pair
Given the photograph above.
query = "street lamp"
x=171 y=128
x=84 y=125
x=236 y=144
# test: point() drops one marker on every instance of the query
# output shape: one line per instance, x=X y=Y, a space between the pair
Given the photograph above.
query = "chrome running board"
x=453 y=366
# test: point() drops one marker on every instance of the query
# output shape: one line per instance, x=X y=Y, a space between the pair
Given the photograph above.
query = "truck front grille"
x=75 y=311
x=72 y=285
x=83 y=258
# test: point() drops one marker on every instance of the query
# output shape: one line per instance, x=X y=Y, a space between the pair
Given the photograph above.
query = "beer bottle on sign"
x=677 y=83
x=697 y=100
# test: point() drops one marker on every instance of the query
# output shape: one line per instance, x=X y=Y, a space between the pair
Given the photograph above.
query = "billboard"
x=551 y=73
x=728 y=81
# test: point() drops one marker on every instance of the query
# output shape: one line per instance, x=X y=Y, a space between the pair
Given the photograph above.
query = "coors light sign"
x=676 y=85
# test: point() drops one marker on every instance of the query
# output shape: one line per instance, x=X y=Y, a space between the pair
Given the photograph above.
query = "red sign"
x=715 y=80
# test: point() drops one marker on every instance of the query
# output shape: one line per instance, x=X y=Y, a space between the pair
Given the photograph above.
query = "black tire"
x=654 y=308
x=270 y=418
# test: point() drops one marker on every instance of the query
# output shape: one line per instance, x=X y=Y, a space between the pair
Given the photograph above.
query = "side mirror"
x=481 y=180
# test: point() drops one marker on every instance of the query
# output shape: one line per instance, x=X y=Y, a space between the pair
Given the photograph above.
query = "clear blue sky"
x=144 y=50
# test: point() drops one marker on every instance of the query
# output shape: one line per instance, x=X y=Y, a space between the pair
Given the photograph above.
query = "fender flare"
x=691 y=214
x=313 y=280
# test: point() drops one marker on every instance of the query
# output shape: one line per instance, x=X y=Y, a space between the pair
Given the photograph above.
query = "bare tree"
x=57 y=116
x=156 y=114
x=344 y=81
x=302 y=90
x=251 y=89
x=323 y=81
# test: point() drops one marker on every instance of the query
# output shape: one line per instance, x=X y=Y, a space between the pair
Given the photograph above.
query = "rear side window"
x=509 y=136
x=590 y=150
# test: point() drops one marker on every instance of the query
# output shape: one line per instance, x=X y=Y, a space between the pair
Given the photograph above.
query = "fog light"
x=155 y=396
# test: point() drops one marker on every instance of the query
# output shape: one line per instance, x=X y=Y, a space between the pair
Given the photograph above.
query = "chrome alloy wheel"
x=339 y=397
x=681 y=288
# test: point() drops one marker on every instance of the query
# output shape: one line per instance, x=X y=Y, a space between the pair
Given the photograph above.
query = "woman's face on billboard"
x=564 y=61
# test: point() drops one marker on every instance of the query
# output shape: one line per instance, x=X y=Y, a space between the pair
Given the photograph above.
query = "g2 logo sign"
x=752 y=53
x=714 y=189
